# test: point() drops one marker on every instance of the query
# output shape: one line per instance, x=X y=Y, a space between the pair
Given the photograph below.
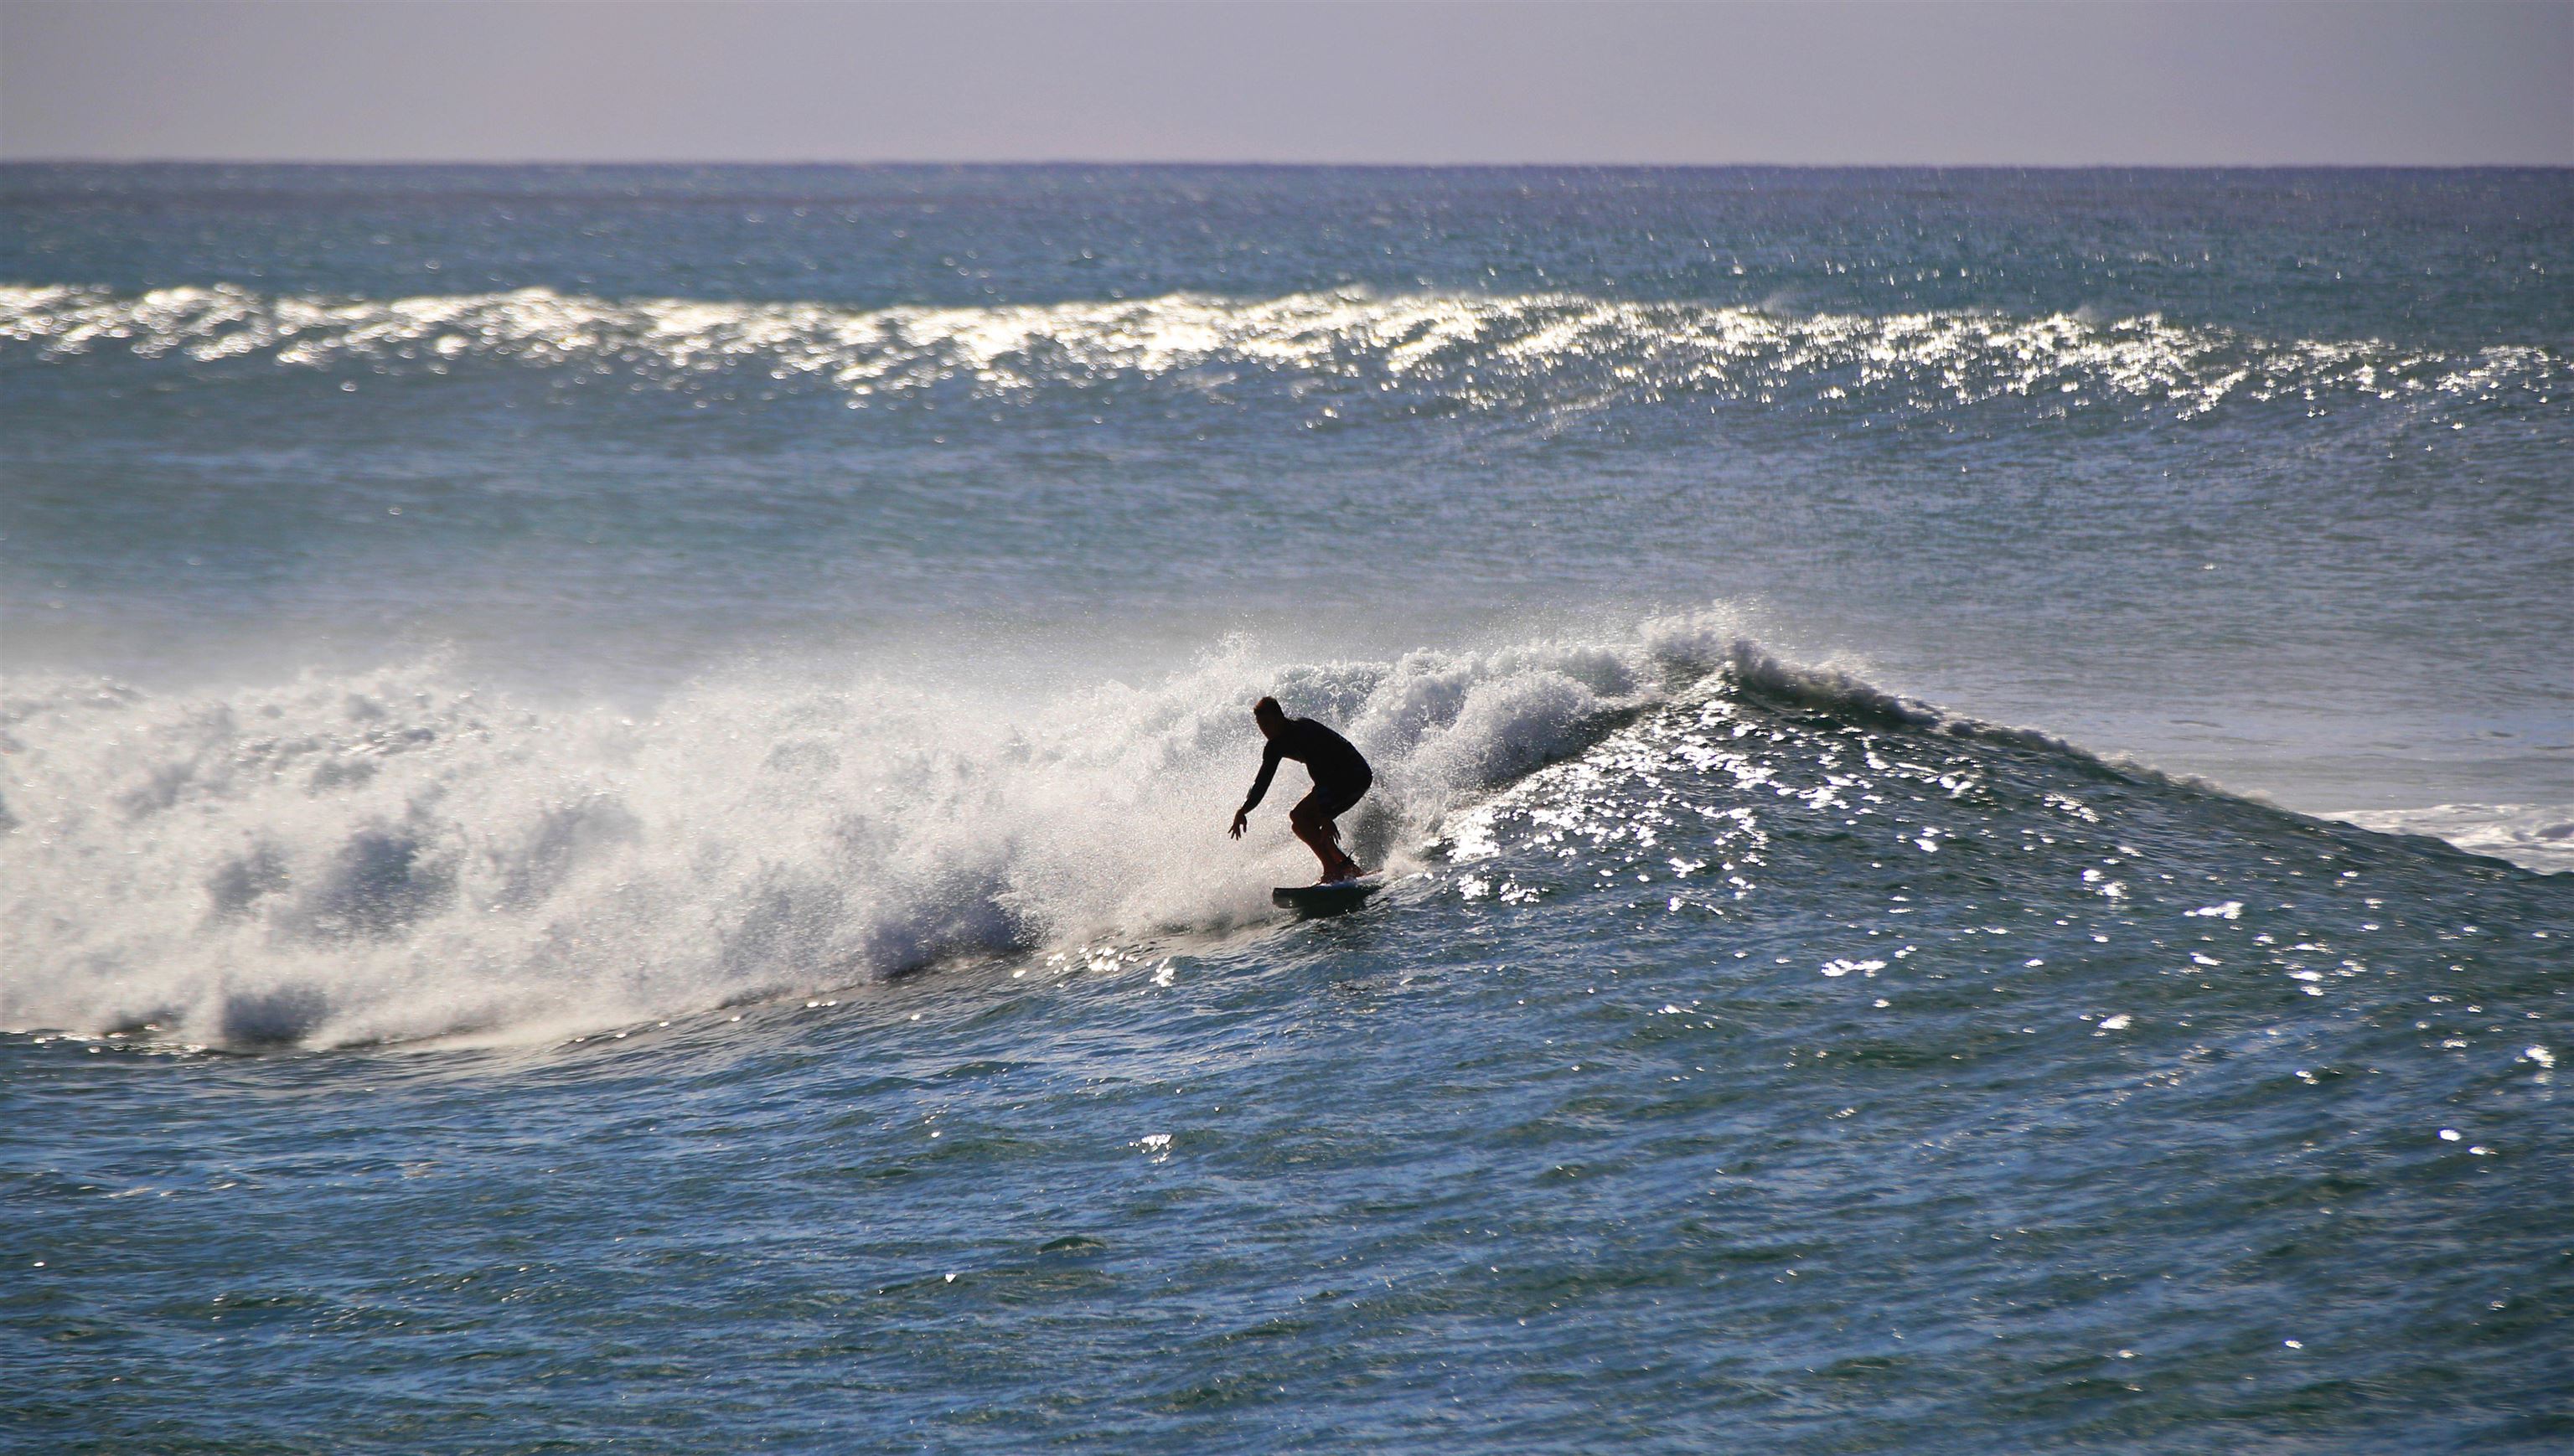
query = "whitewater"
x=394 y=858
x=613 y=786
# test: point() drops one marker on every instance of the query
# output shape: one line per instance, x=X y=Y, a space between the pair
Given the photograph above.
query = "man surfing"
x=1341 y=776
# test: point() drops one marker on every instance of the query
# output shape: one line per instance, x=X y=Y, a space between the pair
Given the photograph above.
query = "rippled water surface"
x=613 y=784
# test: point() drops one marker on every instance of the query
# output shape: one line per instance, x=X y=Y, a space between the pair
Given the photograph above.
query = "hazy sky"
x=1699 y=81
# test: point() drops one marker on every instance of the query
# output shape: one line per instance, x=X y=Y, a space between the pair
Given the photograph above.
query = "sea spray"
x=398 y=855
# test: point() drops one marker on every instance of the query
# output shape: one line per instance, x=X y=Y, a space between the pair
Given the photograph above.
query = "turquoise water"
x=614 y=790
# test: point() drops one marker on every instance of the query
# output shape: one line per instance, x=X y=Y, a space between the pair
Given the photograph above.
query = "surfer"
x=1340 y=778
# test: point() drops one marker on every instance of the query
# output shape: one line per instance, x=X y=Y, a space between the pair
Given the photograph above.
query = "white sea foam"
x=1472 y=351
x=397 y=856
x=2535 y=836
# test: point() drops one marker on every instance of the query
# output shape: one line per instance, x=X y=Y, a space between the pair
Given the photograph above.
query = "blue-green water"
x=614 y=787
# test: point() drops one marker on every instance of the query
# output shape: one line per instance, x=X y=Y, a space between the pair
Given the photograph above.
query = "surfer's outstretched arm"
x=1268 y=770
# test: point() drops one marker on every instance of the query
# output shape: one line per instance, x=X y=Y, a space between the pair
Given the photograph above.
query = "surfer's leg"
x=1312 y=819
x=1342 y=867
x=1315 y=831
x=1344 y=798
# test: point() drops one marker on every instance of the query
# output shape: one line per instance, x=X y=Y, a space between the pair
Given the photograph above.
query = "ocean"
x=613 y=786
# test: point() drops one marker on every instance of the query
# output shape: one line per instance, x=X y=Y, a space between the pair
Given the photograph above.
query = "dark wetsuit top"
x=1340 y=774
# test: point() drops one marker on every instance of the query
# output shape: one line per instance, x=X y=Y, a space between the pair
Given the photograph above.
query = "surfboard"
x=1326 y=900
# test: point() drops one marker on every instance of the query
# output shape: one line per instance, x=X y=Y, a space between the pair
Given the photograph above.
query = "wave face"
x=1399 y=351
x=394 y=855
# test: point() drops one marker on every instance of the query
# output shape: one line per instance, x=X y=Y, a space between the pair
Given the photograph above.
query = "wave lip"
x=1472 y=351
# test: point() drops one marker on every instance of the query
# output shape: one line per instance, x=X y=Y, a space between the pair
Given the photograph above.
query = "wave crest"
x=1473 y=351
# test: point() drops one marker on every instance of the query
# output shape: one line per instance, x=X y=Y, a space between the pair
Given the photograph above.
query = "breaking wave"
x=1406 y=351
x=2534 y=836
x=397 y=856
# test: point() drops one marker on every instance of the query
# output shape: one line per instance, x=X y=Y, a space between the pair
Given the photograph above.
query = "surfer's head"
x=1269 y=716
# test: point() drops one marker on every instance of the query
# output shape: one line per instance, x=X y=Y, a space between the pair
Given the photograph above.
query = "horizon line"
x=1275 y=165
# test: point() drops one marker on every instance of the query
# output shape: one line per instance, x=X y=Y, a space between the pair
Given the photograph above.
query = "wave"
x=397 y=856
x=1472 y=351
x=2534 y=836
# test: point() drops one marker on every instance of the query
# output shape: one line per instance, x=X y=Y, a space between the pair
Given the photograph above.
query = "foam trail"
x=1477 y=352
x=397 y=856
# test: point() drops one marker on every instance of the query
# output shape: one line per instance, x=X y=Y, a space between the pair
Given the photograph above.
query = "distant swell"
x=1457 y=350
